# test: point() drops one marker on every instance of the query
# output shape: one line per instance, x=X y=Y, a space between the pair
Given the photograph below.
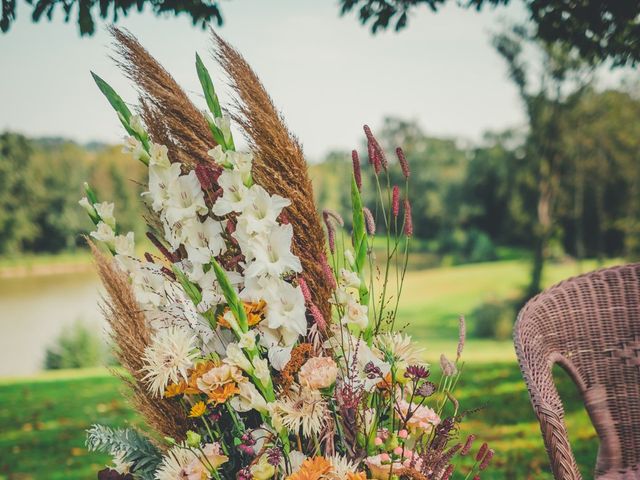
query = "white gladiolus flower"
x=235 y=195
x=104 y=233
x=273 y=255
x=125 y=245
x=135 y=122
x=159 y=155
x=248 y=399
x=161 y=180
x=186 y=199
x=285 y=308
x=148 y=283
x=241 y=162
x=247 y=340
x=262 y=211
x=224 y=124
x=349 y=279
x=237 y=358
x=133 y=146
x=261 y=370
x=168 y=358
x=219 y=156
x=348 y=256
x=203 y=240
x=84 y=203
x=356 y=314
x=279 y=344
x=105 y=211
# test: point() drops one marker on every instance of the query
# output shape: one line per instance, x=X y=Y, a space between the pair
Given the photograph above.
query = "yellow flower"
x=262 y=470
x=198 y=410
x=175 y=389
x=254 y=311
x=222 y=394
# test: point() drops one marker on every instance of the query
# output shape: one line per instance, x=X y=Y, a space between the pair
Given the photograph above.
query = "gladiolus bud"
x=193 y=439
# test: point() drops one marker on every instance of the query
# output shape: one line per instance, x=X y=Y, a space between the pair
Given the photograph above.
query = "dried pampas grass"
x=131 y=335
x=171 y=118
x=279 y=166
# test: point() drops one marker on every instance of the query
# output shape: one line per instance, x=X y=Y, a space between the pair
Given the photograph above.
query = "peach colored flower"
x=196 y=469
x=422 y=418
x=380 y=465
x=219 y=376
x=318 y=372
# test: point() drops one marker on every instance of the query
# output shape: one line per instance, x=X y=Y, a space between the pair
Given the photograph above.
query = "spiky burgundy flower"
x=375 y=148
x=371 y=224
x=328 y=273
x=448 y=472
x=357 y=174
x=481 y=453
x=304 y=288
x=404 y=165
x=408 y=223
x=468 y=444
x=318 y=317
x=244 y=474
x=417 y=372
x=487 y=458
x=395 y=201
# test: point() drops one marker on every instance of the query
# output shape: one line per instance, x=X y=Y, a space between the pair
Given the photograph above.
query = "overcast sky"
x=327 y=73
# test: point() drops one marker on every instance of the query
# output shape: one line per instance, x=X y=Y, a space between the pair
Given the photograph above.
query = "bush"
x=78 y=346
x=493 y=319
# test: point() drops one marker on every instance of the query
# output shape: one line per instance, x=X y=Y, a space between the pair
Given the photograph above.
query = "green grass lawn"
x=43 y=418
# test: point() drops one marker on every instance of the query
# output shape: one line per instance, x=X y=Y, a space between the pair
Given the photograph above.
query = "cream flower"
x=349 y=279
x=285 y=307
x=318 y=372
x=401 y=348
x=273 y=255
x=302 y=411
x=198 y=468
x=261 y=370
x=174 y=463
x=422 y=418
x=247 y=340
x=261 y=213
x=133 y=146
x=159 y=155
x=186 y=199
x=248 y=399
x=135 y=122
x=148 y=283
x=104 y=233
x=203 y=240
x=124 y=244
x=355 y=314
x=161 y=180
x=168 y=358
x=219 y=376
x=235 y=196
x=237 y=358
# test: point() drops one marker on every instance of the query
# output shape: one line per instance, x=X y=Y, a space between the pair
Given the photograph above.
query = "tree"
x=201 y=11
x=598 y=29
x=547 y=93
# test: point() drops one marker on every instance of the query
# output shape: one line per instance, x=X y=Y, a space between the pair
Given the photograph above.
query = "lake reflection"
x=34 y=310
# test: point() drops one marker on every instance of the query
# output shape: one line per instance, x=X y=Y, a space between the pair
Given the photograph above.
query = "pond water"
x=35 y=309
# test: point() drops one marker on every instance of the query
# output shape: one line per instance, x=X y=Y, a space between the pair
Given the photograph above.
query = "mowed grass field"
x=43 y=418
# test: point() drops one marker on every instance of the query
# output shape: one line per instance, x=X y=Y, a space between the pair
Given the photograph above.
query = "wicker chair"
x=590 y=326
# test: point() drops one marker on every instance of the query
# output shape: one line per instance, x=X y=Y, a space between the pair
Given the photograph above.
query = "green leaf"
x=207 y=87
x=230 y=295
x=124 y=114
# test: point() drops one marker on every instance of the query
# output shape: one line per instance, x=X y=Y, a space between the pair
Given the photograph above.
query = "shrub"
x=77 y=346
x=493 y=319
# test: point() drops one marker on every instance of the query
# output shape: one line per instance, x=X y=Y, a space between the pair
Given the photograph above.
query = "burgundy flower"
x=356 y=169
x=417 y=372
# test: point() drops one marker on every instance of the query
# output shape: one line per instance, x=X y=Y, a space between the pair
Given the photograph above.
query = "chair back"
x=590 y=326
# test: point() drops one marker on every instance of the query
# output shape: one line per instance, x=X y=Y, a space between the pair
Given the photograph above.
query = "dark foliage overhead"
x=599 y=29
x=84 y=11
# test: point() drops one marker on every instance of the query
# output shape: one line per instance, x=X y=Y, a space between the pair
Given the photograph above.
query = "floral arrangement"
x=257 y=342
